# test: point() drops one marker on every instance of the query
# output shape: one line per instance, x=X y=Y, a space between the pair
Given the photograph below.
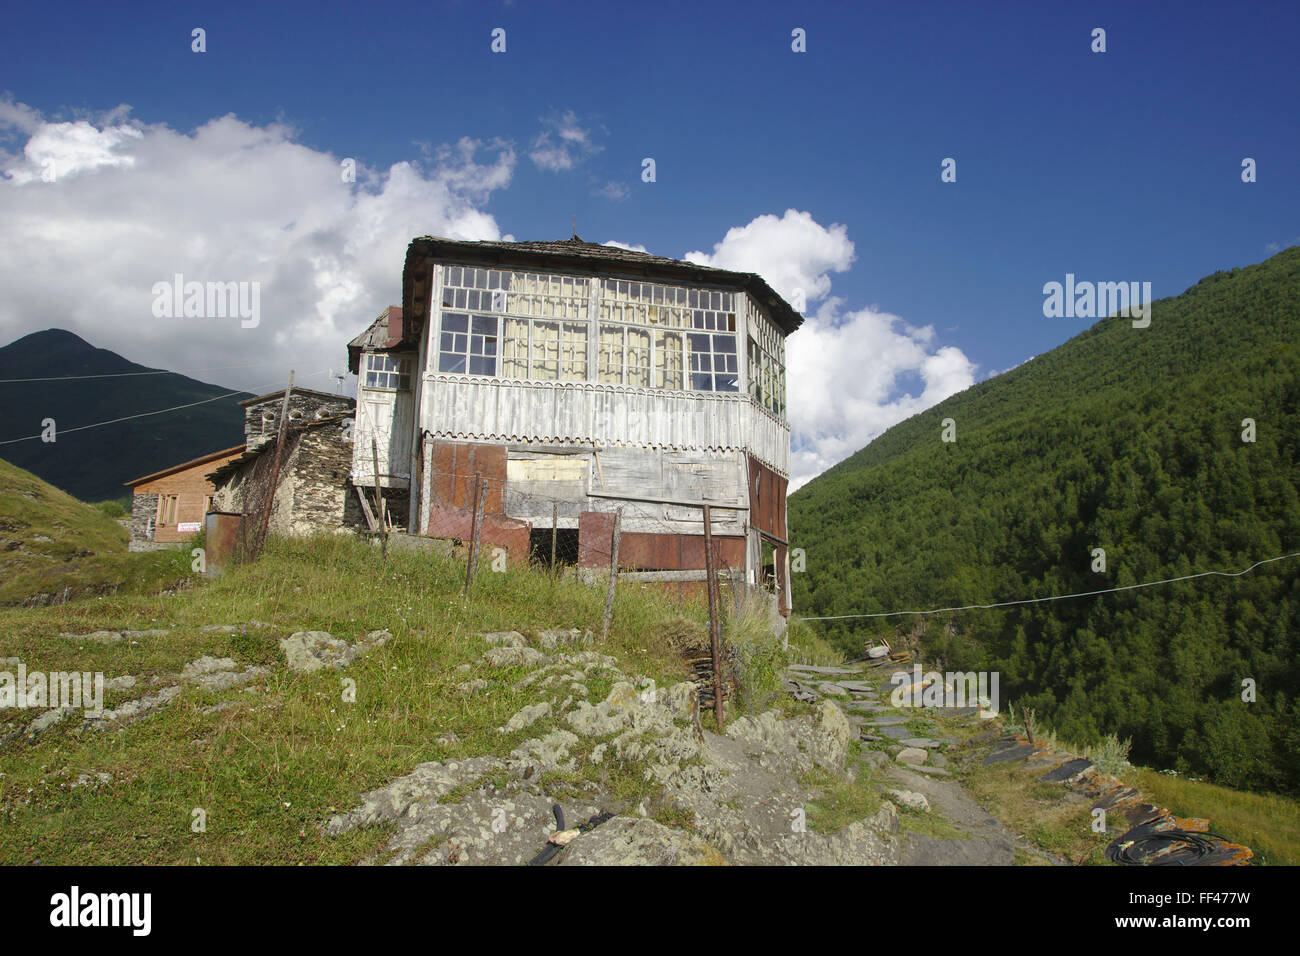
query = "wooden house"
x=167 y=507
x=579 y=379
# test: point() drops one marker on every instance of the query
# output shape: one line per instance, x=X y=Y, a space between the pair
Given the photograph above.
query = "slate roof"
x=573 y=254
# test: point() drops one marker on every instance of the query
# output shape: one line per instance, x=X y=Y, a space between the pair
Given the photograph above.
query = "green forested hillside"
x=1124 y=439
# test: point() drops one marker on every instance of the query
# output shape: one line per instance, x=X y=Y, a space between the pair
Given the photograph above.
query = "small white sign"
x=189 y=526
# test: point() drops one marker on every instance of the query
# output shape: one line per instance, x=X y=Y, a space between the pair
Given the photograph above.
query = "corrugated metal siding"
x=486 y=409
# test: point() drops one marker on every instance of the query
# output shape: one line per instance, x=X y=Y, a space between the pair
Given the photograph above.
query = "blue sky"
x=1123 y=165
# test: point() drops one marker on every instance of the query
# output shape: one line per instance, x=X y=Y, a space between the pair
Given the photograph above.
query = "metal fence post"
x=613 y=573
x=555 y=525
x=476 y=532
x=711 y=582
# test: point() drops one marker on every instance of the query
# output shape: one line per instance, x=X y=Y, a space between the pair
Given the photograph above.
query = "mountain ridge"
x=93 y=464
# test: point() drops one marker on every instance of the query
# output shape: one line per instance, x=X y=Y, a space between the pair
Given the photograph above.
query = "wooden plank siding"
x=479 y=408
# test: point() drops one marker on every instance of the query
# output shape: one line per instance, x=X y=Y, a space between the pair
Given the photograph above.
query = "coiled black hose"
x=551 y=848
x=1149 y=845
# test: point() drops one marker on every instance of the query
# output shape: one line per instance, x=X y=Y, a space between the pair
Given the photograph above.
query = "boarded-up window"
x=167 y=509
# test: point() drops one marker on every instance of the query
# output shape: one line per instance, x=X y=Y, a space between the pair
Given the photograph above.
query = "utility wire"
x=1061 y=597
x=161 y=411
x=174 y=371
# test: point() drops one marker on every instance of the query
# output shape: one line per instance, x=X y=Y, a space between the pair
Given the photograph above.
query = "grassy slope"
x=268 y=771
x=86 y=550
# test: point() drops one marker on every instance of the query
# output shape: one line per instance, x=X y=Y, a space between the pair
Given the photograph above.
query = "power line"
x=161 y=411
x=1060 y=597
x=175 y=371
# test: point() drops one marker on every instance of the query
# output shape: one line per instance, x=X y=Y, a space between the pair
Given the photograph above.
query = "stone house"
x=313 y=491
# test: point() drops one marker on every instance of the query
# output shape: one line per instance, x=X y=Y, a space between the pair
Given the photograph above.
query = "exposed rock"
x=627 y=841
x=309 y=651
x=513 y=656
x=550 y=640
x=911 y=755
x=132 y=710
x=910 y=799
x=505 y=639
x=741 y=789
x=97 y=637
x=525 y=717
x=218 y=673
x=542 y=755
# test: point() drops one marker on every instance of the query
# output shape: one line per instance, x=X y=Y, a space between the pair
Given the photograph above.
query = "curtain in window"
x=514 y=351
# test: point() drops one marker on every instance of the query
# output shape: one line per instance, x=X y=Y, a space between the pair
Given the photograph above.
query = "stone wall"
x=261 y=421
x=144 y=508
x=318 y=480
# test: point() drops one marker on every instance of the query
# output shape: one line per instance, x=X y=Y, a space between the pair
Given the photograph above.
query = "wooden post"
x=555 y=524
x=476 y=531
x=613 y=573
x=379 y=501
x=281 y=432
x=711 y=582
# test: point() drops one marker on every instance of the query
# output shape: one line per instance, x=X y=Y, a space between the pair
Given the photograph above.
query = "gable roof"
x=251 y=454
x=258 y=399
x=575 y=255
x=225 y=453
x=378 y=337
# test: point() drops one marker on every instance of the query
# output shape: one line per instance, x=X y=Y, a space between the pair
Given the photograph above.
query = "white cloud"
x=612 y=190
x=845 y=382
x=849 y=371
x=562 y=144
x=792 y=253
x=623 y=245
x=133 y=204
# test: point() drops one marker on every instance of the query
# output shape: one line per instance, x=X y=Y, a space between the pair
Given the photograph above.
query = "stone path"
x=908 y=749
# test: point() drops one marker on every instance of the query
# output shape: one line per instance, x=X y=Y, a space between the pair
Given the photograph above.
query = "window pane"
x=449 y=362
x=455 y=322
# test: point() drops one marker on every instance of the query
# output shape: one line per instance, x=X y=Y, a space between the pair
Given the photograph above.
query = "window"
x=166 y=509
x=559 y=351
x=385 y=371
x=537 y=326
x=468 y=344
x=766 y=355
x=624 y=355
x=713 y=362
